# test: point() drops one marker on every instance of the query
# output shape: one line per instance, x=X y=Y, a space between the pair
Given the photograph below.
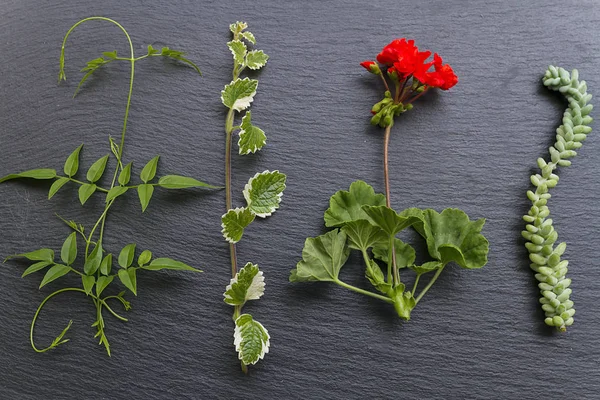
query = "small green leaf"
x=144 y=258
x=387 y=219
x=149 y=171
x=405 y=253
x=93 y=261
x=234 y=222
x=248 y=284
x=36 y=267
x=322 y=258
x=102 y=283
x=115 y=192
x=239 y=50
x=72 y=164
x=256 y=59
x=68 y=253
x=126 y=255
x=375 y=276
x=237 y=27
x=145 y=194
x=36 y=255
x=97 y=169
x=167 y=263
x=44 y=173
x=128 y=278
x=427 y=267
x=54 y=273
x=346 y=206
x=106 y=264
x=252 y=138
x=251 y=339
x=88 y=283
x=239 y=93
x=179 y=56
x=362 y=234
x=125 y=175
x=152 y=50
x=110 y=54
x=182 y=182
x=263 y=192
x=60 y=182
x=86 y=191
x=249 y=37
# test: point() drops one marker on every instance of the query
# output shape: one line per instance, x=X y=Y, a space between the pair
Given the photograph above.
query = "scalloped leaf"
x=234 y=222
x=238 y=50
x=237 y=27
x=346 y=206
x=256 y=59
x=405 y=253
x=248 y=284
x=252 y=138
x=388 y=220
x=249 y=36
x=362 y=234
x=427 y=267
x=239 y=93
x=251 y=339
x=263 y=192
x=322 y=258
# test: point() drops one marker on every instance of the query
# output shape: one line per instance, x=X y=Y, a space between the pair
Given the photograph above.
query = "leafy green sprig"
x=95 y=264
x=540 y=235
x=262 y=193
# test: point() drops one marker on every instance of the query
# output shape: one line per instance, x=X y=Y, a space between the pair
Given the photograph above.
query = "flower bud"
x=372 y=67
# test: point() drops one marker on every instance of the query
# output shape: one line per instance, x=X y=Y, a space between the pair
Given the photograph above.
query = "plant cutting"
x=95 y=265
x=262 y=193
x=550 y=269
x=365 y=221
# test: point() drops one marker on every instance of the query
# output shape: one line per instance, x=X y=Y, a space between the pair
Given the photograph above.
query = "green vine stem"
x=540 y=235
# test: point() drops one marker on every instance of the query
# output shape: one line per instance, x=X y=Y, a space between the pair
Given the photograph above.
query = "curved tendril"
x=105 y=304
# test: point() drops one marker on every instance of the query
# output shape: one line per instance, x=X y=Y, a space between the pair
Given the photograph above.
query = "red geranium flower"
x=404 y=56
x=443 y=77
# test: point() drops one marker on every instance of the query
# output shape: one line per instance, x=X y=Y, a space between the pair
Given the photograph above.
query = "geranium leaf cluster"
x=541 y=237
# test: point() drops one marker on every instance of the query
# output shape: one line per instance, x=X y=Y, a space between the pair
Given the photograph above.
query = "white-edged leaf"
x=247 y=284
x=239 y=50
x=251 y=339
x=256 y=59
x=263 y=192
x=239 y=93
x=234 y=222
x=252 y=138
x=249 y=36
x=238 y=27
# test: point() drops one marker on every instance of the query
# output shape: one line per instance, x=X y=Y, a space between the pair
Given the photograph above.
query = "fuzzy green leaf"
x=102 y=283
x=144 y=258
x=149 y=171
x=167 y=263
x=182 y=182
x=43 y=173
x=128 y=278
x=405 y=253
x=60 y=182
x=251 y=339
x=252 y=138
x=145 y=192
x=322 y=258
x=239 y=50
x=256 y=59
x=238 y=27
x=263 y=192
x=362 y=234
x=116 y=192
x=239 y=93
x=427 y=267
x=68 y=253
x=106 y=264
x=88 y=283
x=93 y=261
x=387 y=219
x=86 y=191
x=234 y=222
x=249 y=36
x=36 y=267
x=36 y=255
x=125 y=175
x=72 y=164
x=54 y=273
x=346 y=206
x=375 y=276
x=248 y=284
x=126 y=255
x=97 y=169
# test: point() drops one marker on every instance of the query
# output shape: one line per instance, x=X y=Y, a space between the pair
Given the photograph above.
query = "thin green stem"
x=430 y=284
x=365 y=292
x=82 y=183
x=387 y=87
x=414 y=290
x=112 y=312
x=386 y=177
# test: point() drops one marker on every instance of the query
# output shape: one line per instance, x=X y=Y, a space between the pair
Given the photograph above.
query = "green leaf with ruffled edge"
x=239 y=93
x=263 y=192
x=237 y=27
x=238 y=50
x=388 y=220
x=374 y=274
x=249 y=36
x=427 y=267
x=251 y=339
x=362 y=235
x=405 y=253
x=252 y=138
x=248 y=284
x=256 y=59
x=234 y=222
x=322 y=258
x=346 y=206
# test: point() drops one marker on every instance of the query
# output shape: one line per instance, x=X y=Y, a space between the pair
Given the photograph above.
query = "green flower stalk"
x=541 y=236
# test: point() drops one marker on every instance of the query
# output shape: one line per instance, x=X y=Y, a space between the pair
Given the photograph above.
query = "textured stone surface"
x=478 y=334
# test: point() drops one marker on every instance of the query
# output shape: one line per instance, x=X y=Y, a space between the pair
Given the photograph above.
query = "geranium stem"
x=430 y=284
x=386 y=177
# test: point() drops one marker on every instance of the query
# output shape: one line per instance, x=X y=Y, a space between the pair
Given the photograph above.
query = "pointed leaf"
x=252 y=138
x=249 y=37
x=362 y=234
x=88 y=283
x=106 y=264
x=110 y=54
x=144 y=258
x=54 y=273
x=102 y=283
x=234 y=222
x=97 y=169
x=93 y=261
x=251 y=339
x=238 y=49
x=86 y=191
x=60 y=182
x=405 y=253
x=182 y=182
x=346 y=206
x=239 y=93
x=256 y=59
x=68 y=253
x=36 y=255
x=72 y=164
x=427 y=267
x=145 y=192
x=43 y=173
x=167 y=263
x=152 y=50
x=376 y=277
x=36 y=267
x=125 y=175
x=126 y=255
x=263 y=192
x=248 y=284
x=128 y=278
x=322 y=258
x=149 y=171
x=116 y=192
x=387 y=219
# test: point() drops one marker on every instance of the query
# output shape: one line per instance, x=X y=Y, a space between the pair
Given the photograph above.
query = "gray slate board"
x=478 y=334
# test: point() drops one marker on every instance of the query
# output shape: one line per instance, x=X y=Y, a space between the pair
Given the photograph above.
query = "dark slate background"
x=478 y=334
